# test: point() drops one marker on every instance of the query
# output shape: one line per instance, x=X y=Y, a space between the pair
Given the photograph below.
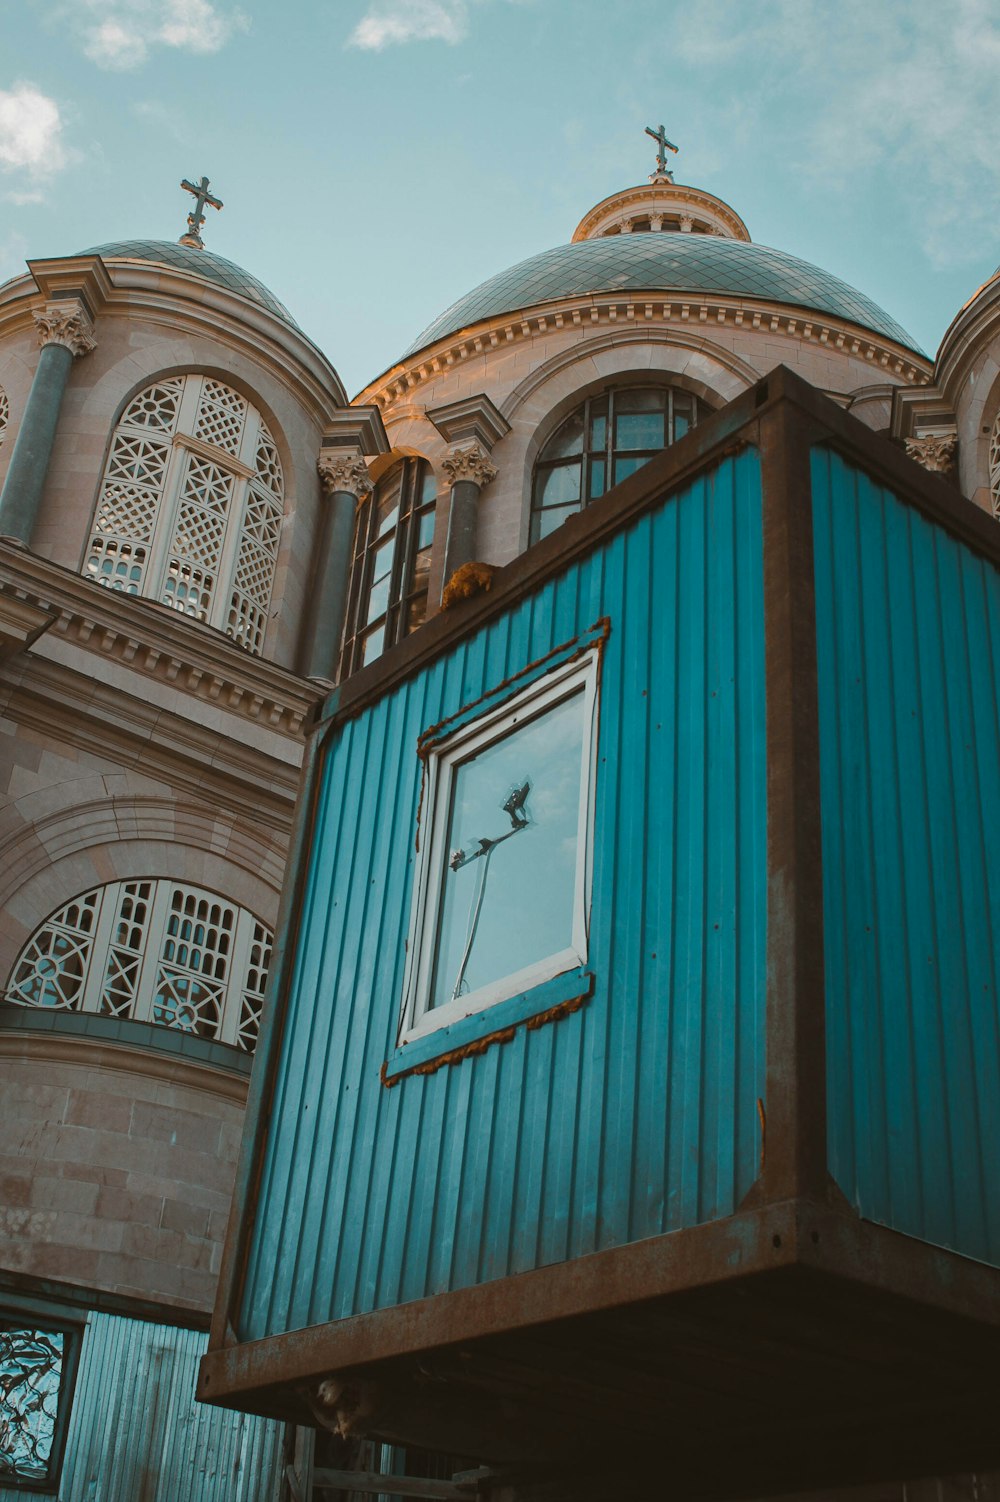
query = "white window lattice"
x=5 y=416
x=995 y=466
x=153 y=951
x=197 y=530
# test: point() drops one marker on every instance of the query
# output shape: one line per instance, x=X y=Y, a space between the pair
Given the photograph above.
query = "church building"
x=543 y=1057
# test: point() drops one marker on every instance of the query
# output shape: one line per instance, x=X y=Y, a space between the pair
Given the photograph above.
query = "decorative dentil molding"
x=347 y=473
x=472 y=463
x=66 y=323
x=935 y=452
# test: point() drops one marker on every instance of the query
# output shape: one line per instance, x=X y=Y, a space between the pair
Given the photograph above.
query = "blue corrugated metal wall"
x=636 y=1114
x=136 y=1433
x=908 y=624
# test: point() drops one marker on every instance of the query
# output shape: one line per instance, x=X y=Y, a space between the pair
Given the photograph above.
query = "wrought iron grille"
x=31 y=1372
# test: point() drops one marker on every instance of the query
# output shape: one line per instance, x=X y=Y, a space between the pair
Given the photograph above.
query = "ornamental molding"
x=66 y=323
x=935 y=452
x=154 y=642
x=469 y=464
x=347 y=474
x=636 y=313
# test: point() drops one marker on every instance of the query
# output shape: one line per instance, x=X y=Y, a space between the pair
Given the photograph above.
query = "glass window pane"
x=556 y=487
x=547 y=521
x=387 y=502
x=639 y=430
x=425 y=529
x=378 y=595
x=509 y=886
x=373 y=645
x=31 y=1363
x=428 y=488
x=566 y=440
x=598 y=478
x=626 y=467
x=598 y=424
x=681 y=424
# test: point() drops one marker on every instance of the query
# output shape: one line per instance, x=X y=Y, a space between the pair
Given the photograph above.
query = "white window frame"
x=417 y=1018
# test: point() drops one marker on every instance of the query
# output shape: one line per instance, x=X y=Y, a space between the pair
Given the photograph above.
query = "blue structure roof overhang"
x=664 y=263
x=197 y=262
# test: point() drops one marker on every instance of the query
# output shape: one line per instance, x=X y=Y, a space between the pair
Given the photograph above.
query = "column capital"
x=347 y=473
x=936 y=452
x=66 y=322
x=470 y=463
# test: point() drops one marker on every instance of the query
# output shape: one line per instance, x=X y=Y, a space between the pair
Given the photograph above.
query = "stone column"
x=468 y=470
x=345 y=483
x=64 y=332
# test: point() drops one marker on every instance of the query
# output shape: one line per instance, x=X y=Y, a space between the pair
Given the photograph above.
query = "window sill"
x=455 y=1041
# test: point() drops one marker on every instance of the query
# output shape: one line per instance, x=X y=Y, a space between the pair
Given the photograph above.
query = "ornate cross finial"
x=662 y=147
x=197 y=218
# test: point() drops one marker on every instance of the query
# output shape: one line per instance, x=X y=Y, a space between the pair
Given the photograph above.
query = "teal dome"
x=196 y=262
x=663 y=262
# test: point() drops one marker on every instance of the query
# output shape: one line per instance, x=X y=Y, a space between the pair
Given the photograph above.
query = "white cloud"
x=389 y=22
x=394 y=21
x=30 y=134
x=894 y=87
x=120 y=34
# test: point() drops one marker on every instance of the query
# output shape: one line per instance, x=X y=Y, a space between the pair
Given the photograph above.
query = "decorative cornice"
x=155 y=642
x=935 y=452
x=358 y=429
x=472 y=463
x=66 y=323
x=644 y=312
x=345 y=473
x=472 y=419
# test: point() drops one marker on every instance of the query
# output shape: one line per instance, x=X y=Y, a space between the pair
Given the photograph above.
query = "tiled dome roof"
x=197 y=262
x=658 y=262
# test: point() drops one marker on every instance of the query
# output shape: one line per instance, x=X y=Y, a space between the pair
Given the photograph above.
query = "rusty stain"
x=480 y=1045
x=763 y=1131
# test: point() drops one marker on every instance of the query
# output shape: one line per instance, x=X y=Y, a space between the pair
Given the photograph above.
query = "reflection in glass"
x=31 y=1363
x=507 y=891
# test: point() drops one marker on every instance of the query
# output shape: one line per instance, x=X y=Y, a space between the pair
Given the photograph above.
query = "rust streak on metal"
x=480 y=1045
x=762 y=1114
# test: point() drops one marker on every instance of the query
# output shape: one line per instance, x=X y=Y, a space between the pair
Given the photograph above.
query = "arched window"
x=190 y=506
x=606 y=439
x=995 y=466
x=392 y=560
x=154 y=951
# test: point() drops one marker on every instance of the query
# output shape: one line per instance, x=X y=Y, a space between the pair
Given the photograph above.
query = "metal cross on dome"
x=197 y=217
x=662 y=147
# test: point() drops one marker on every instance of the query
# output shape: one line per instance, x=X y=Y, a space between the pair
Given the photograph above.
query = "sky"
x=379 y=158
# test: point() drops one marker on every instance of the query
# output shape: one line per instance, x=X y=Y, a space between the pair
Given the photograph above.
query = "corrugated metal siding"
x=137 y=1435
x=636 y=1114
x=908 y=623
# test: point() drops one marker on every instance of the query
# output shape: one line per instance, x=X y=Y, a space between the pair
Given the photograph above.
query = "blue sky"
x=378 y=158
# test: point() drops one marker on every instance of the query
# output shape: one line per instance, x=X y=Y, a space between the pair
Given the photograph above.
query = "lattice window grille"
x=995 y=466
x=152 y=951
x=253 y=992
x=156 y=407
x=5 y=416
x=172 y=523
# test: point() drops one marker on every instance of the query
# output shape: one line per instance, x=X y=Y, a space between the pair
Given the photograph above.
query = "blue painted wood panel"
x=908 y=625
x=636 y=1114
